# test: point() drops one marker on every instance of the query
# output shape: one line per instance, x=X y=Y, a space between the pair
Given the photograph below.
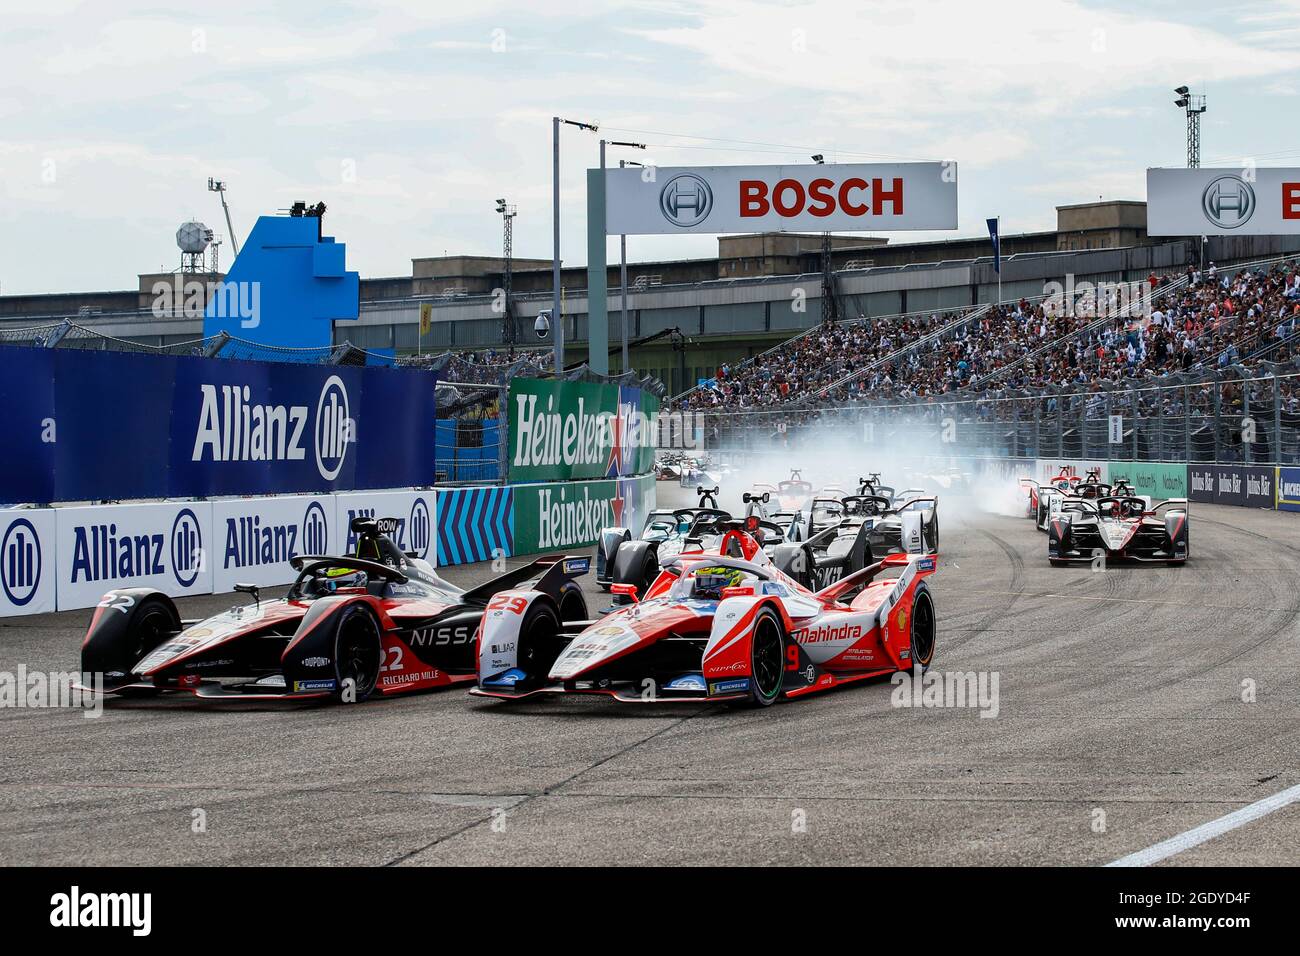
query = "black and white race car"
x=1118 y=527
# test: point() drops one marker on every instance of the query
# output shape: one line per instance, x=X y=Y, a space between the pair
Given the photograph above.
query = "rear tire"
x=358 y=654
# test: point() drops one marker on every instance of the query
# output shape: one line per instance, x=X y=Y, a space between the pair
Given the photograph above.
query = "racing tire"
x=538 y=647
x=153 y=620
x=766 y=660
x=932 y=536
x=573 y=606
x=358 y=654
x=649 y=571
x=923 y=628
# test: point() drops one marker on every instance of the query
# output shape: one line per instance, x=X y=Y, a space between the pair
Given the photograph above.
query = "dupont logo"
x=333 y=428
x=1228 y=202
x=315 y=530
x=20 y=562
x=187 y=548
x=419 y=528
x=686 y=200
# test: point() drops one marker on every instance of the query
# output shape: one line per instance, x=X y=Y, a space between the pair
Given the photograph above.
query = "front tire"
x=766 y=659
x=538 y=647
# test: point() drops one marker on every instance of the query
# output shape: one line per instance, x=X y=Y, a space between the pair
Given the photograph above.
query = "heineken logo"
x=564 y=521
x=545 y=437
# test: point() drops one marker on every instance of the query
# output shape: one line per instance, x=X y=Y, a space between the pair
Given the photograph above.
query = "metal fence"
x=1228 y=415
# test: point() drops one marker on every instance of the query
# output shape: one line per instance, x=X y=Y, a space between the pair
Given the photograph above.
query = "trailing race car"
x=793 y=493
x=726 y=625
x=871 y=486
x=890 y=525
x=1118 y=528
x=1041 y=497
x=378 y=622
x=622 y=559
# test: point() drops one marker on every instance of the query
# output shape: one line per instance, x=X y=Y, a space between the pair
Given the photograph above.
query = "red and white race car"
x=1039 y=497
x=725 y=625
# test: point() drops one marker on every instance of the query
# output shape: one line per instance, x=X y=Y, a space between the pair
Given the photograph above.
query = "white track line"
x=1208 y=831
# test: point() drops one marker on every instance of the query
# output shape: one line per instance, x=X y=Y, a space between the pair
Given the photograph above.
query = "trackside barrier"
x=66 y=557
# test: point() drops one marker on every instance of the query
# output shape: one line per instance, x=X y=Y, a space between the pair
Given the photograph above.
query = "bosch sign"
x=829 y=198
x=1220 y=202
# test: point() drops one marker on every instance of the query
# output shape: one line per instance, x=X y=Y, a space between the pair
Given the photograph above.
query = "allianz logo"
x=100 y=552
x=232 y=427
x=250 y=543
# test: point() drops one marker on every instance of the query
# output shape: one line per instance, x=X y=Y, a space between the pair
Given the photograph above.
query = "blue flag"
x=997 y=246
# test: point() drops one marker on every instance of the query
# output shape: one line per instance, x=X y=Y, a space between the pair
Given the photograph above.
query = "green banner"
x=563 y=515
x=566 y=430
x=1159 y=480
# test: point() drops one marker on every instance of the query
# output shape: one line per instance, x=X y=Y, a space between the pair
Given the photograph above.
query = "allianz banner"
x=567 y=515
x=119 y=425
x=564 y=430
x=1248 y=486
x=1154 y=479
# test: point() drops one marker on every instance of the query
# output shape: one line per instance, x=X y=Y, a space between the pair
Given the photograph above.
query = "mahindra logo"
x=1228 y=202
x=333 y=428
x=187 y=548
x=686 y=200
x=20 y=562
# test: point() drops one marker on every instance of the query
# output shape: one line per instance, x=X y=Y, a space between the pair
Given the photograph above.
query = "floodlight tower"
x=828 y=281
x=1194 y=105
x=507 y=247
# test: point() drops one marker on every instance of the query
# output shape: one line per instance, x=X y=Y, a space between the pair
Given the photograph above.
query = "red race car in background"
x=725 y=625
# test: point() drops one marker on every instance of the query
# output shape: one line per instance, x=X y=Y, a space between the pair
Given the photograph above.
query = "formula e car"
x=726 y=625
x=378 y=622
x=1041 y=497
x=1082 y=529
x=903 y=524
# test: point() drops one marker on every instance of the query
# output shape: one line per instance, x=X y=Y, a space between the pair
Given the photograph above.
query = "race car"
x=377 y=622
x=1041 y=497
x=890 y=525
x=871 y=486
x=794 y=491
x=726 y=625
x=1118 y=528
x=622 y=558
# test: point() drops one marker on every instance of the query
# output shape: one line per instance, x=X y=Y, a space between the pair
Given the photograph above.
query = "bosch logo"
x=333 y=428
x=20 y=562
x=187 y=548
x=315 y=530
x=1228 y=202
x=686 y=200
x=419 y=528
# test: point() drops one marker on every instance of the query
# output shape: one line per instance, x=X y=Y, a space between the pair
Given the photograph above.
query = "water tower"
x=193 y=238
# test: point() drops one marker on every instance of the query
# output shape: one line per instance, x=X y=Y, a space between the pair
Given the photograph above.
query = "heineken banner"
x=565 y=430
x=1157 y=480
x=555 y=517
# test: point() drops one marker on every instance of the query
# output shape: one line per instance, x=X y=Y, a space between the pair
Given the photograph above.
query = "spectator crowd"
x=1211 y=320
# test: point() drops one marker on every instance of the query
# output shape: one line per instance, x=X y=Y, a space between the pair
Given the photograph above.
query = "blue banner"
x=120 y=425
x=1288 y=489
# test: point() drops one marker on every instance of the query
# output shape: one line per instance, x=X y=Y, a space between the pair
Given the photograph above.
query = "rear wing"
x=547 y=574
x=1181 y=503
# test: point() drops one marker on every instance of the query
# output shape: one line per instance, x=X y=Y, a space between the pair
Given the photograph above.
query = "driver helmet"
x=710 y=581
x=344 y=579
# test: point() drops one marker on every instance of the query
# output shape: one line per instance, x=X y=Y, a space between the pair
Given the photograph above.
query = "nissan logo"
x=333 y=428
x=686 y=200
x=20 y=562
x=1228 y=201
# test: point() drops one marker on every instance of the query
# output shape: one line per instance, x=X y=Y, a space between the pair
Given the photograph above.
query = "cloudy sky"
x=408 y=118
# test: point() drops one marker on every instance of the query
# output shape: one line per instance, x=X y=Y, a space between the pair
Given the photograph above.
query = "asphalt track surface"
x=1119 y=693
